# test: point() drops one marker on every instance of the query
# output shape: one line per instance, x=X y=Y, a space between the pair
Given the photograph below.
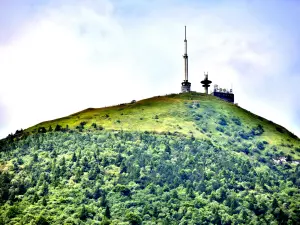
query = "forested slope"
x=196 y=160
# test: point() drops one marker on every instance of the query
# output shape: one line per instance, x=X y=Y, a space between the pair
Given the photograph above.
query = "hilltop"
x=183 y=158
x=197 y=114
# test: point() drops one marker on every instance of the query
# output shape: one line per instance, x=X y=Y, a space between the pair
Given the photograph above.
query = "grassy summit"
x=177 y=159
x=197 y=114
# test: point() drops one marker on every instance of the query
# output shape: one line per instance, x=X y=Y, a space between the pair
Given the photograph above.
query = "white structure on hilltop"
x=185 y=85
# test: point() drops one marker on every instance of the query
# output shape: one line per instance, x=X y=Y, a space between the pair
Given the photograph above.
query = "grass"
x=168 y=113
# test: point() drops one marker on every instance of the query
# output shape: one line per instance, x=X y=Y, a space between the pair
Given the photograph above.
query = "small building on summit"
x=223 y=93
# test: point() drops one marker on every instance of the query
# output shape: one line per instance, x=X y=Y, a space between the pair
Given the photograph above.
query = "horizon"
x=61 y=57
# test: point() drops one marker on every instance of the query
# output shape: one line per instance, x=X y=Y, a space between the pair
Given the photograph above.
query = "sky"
x=58 y=57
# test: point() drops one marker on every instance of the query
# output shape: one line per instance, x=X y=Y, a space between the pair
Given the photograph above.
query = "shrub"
x=270 y=155
x=256 y=150
x=236 y=121
x=262 y=159
x=66 y=129
x=287 y=166
x=279 y=129
x=274 y=148
x=260 y=145
x=18 y=132
x=83 y=123
x=228 y=133
x=293 y=135
x=50 y=129
x=244 y=135
x=42 y=130
x=79 y=128
x=222 y=121
x=221 y=129
x=58 y=128
x=245 y=150
x=198 y=117
x=257 y=130
x=289 y=158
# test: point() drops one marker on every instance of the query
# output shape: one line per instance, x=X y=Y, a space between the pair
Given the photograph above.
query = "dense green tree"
x=44 y=201
x=83 y=214
x=133 y=218
x=103 y=202
x=35 y=157
x=35 y=198
x=74 y=158
x=41 y=220
x=12 y=211
x=107 y=212
x=45 y=189
x=100 y=176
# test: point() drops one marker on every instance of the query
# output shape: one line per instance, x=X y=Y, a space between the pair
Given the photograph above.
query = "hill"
x=176 y=159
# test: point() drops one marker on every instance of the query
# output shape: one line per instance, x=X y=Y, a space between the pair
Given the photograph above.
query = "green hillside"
x=187 y=113
x=176 y=159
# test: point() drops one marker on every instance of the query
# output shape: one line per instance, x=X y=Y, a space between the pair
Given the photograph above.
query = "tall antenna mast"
x=185 y=56
x=185 y=85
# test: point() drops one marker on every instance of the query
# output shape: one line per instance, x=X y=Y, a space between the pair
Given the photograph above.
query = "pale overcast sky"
x=59 y=57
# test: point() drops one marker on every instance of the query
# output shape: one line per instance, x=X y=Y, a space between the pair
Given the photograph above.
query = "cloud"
x=71 y=55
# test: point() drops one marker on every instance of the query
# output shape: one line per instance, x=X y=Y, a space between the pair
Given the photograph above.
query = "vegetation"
x=192 y=159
